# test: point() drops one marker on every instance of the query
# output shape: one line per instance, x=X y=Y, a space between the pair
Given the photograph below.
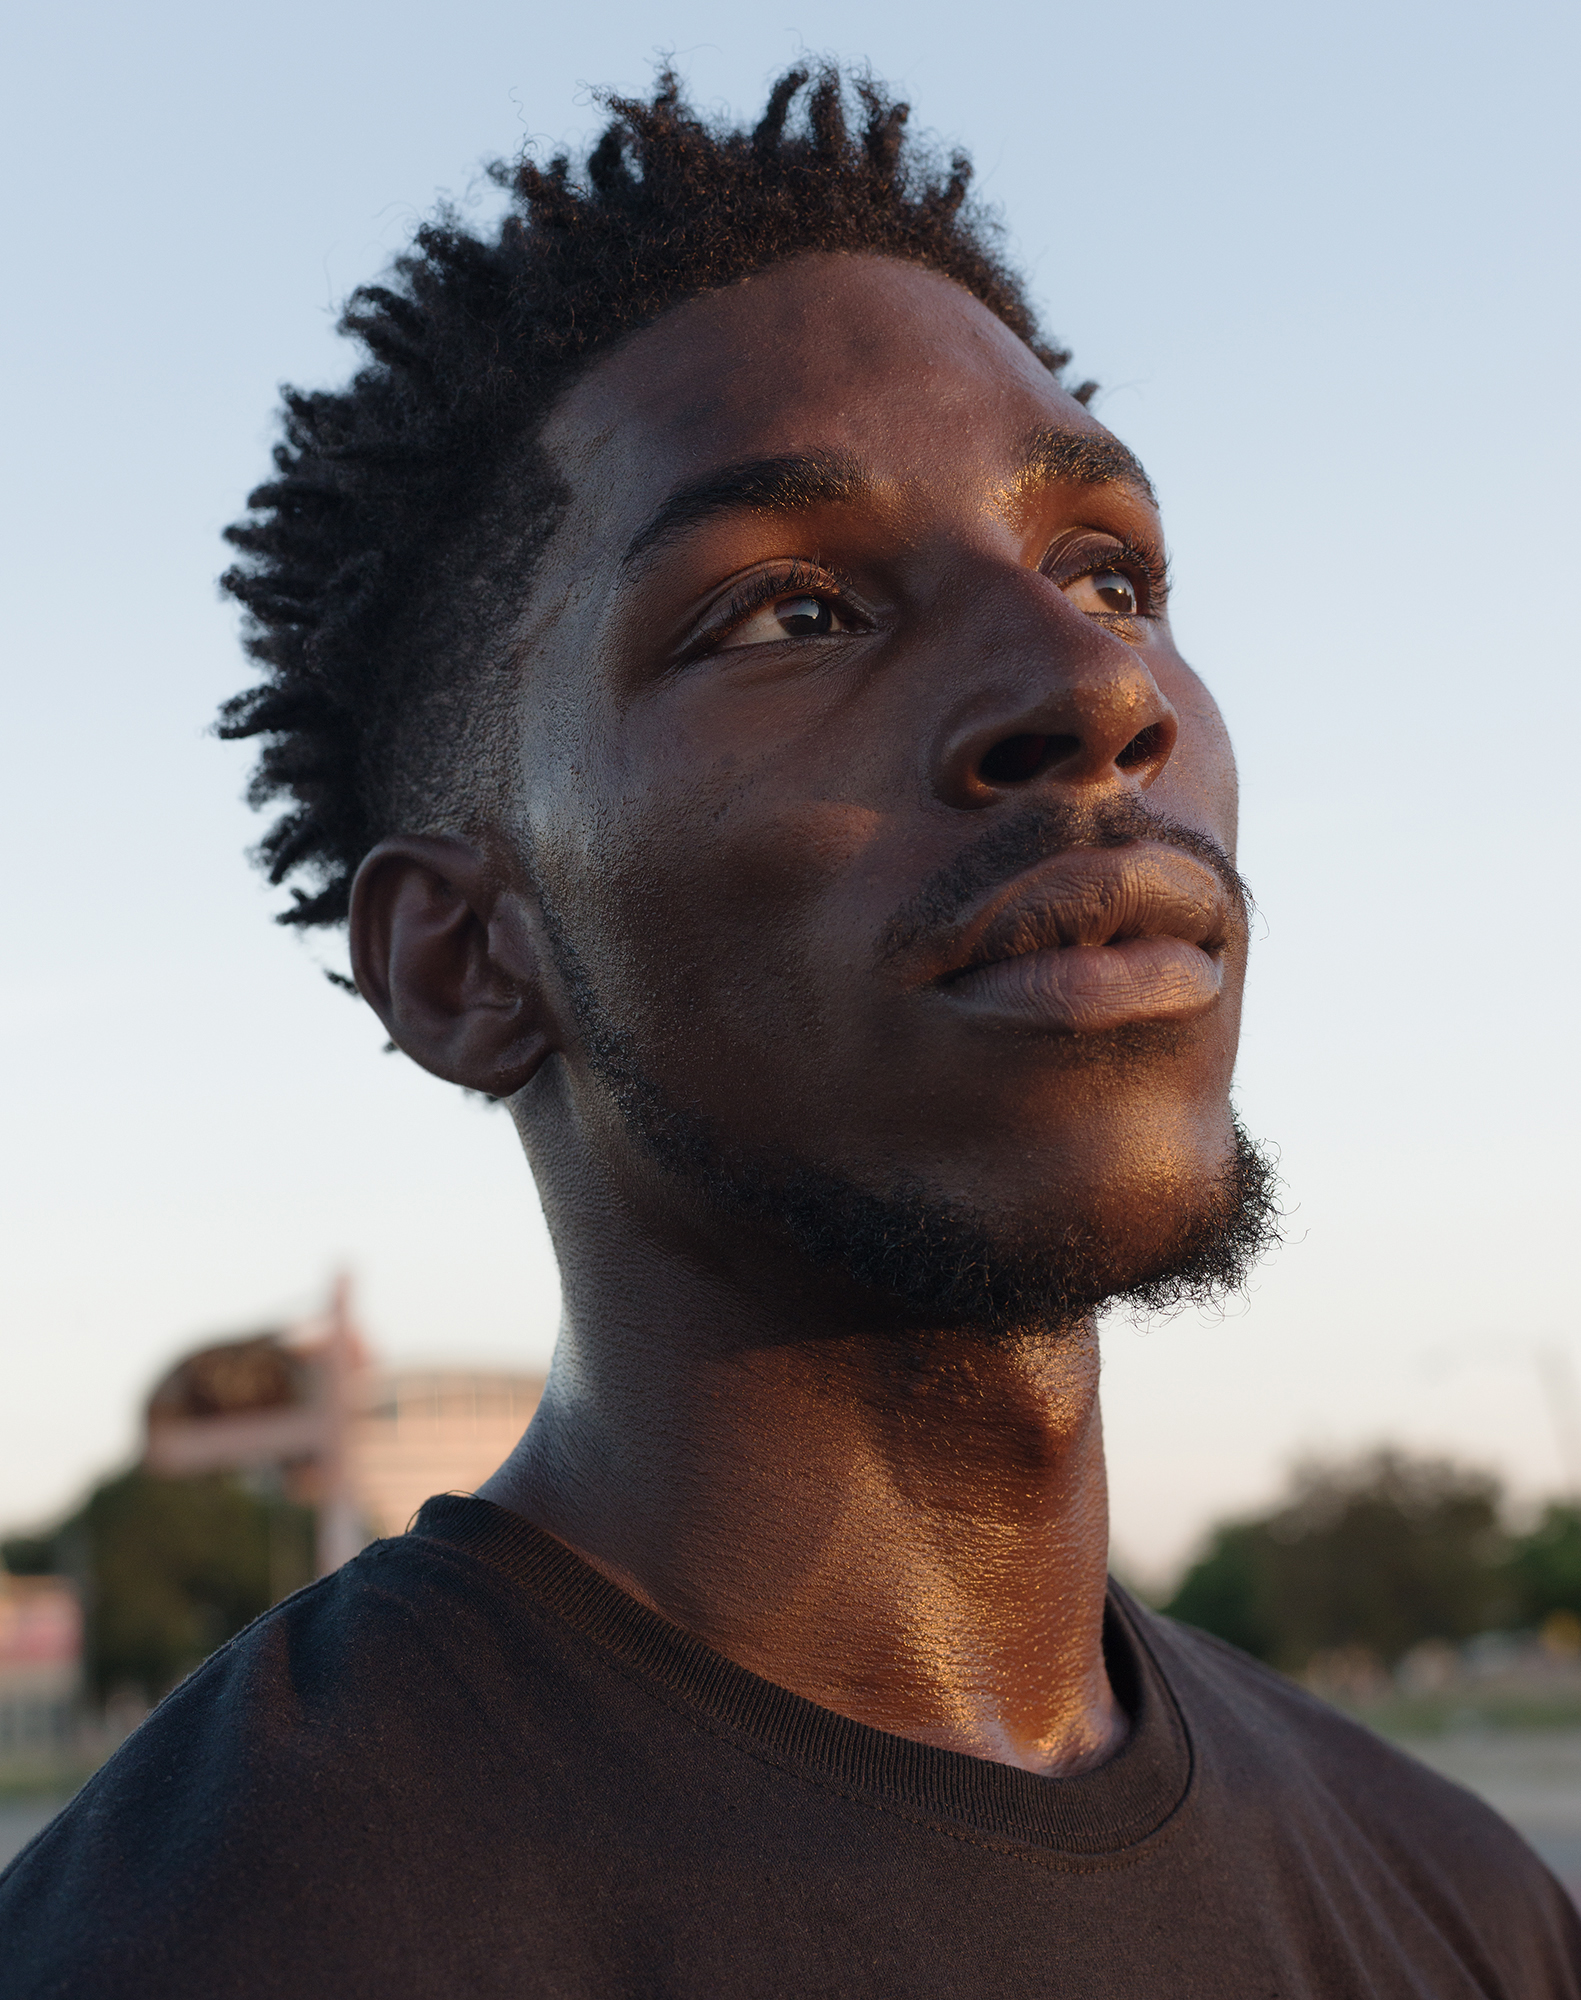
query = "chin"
x=1183 y=1225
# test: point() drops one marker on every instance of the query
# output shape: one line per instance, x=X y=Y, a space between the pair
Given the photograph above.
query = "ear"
x=448 y=957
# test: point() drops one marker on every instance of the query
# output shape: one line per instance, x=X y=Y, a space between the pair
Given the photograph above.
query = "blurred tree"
x=1545 y=1565
x=1379 y=1553
x=169 y=1569
x=28 y=1555
x=1228 y=1590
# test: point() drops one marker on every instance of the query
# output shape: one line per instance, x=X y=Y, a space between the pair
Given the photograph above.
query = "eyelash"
x=758 y=591
x=1141 y=563
x=1132 y=557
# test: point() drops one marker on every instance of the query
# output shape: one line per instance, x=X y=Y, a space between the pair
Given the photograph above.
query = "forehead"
x=880 y=361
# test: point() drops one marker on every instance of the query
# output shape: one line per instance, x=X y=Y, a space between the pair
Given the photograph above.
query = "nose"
x=1060 y=701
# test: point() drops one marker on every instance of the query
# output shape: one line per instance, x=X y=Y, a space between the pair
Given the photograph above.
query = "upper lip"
x=1093 y=896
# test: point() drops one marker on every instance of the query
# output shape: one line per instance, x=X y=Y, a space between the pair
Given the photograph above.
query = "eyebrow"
x=790 y=485
x=757 y=485
x=1081 y=458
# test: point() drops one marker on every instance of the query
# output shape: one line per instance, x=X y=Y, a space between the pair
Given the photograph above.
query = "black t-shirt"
x=467 y=1765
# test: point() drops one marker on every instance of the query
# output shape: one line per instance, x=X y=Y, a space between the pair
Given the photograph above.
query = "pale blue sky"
x=1323 y=258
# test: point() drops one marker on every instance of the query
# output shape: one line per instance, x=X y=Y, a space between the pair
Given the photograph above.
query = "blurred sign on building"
x=40 y=1668
x=310 y=1406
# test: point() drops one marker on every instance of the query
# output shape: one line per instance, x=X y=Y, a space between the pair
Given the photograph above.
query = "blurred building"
x=310 y=1407
x=40 y=1668
x=424 y=1431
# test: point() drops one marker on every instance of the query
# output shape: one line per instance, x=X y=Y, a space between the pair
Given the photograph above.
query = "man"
x=723 y=675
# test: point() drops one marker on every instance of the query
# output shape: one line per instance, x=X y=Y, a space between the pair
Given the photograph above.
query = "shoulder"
x=1249 y=1722
x=1270 y=1750
x=263 y=1782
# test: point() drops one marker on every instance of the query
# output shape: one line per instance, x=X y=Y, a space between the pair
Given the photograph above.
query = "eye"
x=800 y=614
x=1105 y=593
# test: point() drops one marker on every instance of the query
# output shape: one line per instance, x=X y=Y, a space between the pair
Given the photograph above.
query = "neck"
x=911 y=1531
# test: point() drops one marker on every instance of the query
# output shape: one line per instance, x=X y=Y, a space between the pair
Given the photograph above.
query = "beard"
x=929 y=1261
x=920 y=1257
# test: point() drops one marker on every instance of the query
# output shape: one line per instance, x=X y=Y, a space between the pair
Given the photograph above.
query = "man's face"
x=882 y=828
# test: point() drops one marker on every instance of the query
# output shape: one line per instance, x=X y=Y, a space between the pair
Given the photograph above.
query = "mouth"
x=1095 y=939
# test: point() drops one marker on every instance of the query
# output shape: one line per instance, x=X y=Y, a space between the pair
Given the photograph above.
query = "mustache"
x=1039 y=833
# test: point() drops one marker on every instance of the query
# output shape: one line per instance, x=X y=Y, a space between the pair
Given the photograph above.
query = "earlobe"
x=446 y=955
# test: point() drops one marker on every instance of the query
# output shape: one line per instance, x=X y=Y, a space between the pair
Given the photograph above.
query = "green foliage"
x=1545 y=1566
x=1379 y=1554
x=1228 y=1592
x=170 y=1569
x=28 y=1555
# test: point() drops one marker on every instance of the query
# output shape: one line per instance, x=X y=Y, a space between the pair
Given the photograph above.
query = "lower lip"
x=1082 y=989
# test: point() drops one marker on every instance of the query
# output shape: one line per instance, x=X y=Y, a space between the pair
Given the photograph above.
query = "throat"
x=913 y=1536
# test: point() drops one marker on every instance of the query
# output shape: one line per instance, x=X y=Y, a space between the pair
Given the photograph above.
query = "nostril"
x=1143 y=747
x=1015 y=760
x=1019 y=758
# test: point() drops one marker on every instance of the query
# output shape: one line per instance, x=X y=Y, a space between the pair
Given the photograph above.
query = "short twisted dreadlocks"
x=383 y=565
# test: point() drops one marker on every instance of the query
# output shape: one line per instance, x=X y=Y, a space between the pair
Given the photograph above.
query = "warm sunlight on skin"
x=809 y=645
x=717 y=661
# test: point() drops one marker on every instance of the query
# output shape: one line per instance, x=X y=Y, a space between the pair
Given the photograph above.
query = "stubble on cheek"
x=719 y=936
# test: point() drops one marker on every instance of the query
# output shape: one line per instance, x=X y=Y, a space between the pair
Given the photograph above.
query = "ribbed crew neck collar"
x=1103 y=1811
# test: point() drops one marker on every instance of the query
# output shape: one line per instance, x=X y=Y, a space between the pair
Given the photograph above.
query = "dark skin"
x=753 y=732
